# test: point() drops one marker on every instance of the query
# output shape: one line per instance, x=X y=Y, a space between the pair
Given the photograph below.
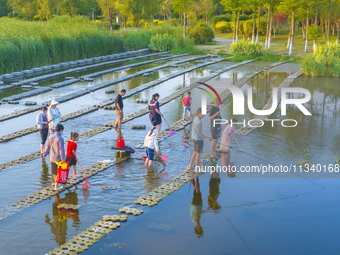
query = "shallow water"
x=236 y=216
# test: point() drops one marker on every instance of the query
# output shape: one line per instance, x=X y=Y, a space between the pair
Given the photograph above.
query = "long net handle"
x=81 y=168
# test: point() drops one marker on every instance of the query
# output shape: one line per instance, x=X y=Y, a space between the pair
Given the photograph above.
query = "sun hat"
x=53 y=102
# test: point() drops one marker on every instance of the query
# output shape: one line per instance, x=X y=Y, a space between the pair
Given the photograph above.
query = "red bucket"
x=120 y=143
x=62 y=174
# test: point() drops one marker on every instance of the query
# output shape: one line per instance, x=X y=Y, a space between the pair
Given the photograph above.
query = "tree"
x=290 y=6
x=44 y=8
x=165 y=8
x=107 y=7
x=279 y=18
x=235 y=6
x=4 y=8
x=26 y=8
x=206 y=8
x=121 y=8
x=314 y=33
x=191 y=18
x=183 y=6
x=68 y=7
x=253 y=5
x=142 y=8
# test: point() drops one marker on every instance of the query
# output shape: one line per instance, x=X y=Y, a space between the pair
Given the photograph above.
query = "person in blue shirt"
x=197 y=137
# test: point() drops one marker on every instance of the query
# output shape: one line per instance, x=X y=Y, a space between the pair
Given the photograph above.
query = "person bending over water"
x=151 y=144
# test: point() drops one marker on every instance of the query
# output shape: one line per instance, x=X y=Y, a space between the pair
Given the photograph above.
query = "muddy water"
x=42 y=227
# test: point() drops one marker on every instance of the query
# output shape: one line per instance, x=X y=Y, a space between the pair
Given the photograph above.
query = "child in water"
x=151 y=143
x=71 y=155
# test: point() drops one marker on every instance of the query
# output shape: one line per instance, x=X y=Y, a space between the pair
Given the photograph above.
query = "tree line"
x=316 y=17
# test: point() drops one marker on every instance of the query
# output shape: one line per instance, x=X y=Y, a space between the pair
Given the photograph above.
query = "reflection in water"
x=214 y=191
x=45 y=176
x=86 y=194
x=154 y=178
x=60 y=216
x=196 y=208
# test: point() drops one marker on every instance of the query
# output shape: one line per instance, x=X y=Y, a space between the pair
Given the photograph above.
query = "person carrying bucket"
x=55 y=145
x=53 y=115
x=151 y=144
x=155 y=114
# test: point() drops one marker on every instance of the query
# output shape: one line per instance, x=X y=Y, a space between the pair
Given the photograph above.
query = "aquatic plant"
x=325 y=61
x=24 y=45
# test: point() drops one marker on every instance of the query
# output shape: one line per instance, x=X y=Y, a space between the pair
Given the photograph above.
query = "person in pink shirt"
x=187 y=104
x=226 y=143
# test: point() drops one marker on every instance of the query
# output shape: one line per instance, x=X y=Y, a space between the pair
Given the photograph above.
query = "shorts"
x=119 y=115
x=43 y=135
x=187 y=108
x=71 y=161
x=198 y=144
x=215 y=133
x=54 y=168
x=149 y=153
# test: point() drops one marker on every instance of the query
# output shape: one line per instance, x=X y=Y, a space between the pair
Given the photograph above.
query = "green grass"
x=27 y=44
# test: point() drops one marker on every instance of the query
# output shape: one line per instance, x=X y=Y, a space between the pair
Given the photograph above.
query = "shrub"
x=136 y=40
x=161 y=42
x=155 y=21
x=176 y=21
x=240 y=27
x=244 y=17
x=184 y=45
x=161 y=22
x=141 y=22
x=242 y=47
x=222 y=27
x=222 y=18
x=202 y=34
x=263 y=26
x=325 y=61
x=247 y=27
x=106 y=25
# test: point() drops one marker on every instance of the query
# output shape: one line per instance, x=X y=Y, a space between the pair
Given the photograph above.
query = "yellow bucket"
x=63 y=166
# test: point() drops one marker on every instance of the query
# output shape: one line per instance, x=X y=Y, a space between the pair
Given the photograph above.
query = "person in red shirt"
x=71 y=155
x=187 y=104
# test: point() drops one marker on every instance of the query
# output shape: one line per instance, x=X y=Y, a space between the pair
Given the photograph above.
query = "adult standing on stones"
x=155 y=114
x=55 y=146
x=53 y=115
x=42 y=125
x=119 y=108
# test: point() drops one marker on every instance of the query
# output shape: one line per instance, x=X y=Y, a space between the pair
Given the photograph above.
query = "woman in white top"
x=151 y=144
x=53 y=115
x=226 y=143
